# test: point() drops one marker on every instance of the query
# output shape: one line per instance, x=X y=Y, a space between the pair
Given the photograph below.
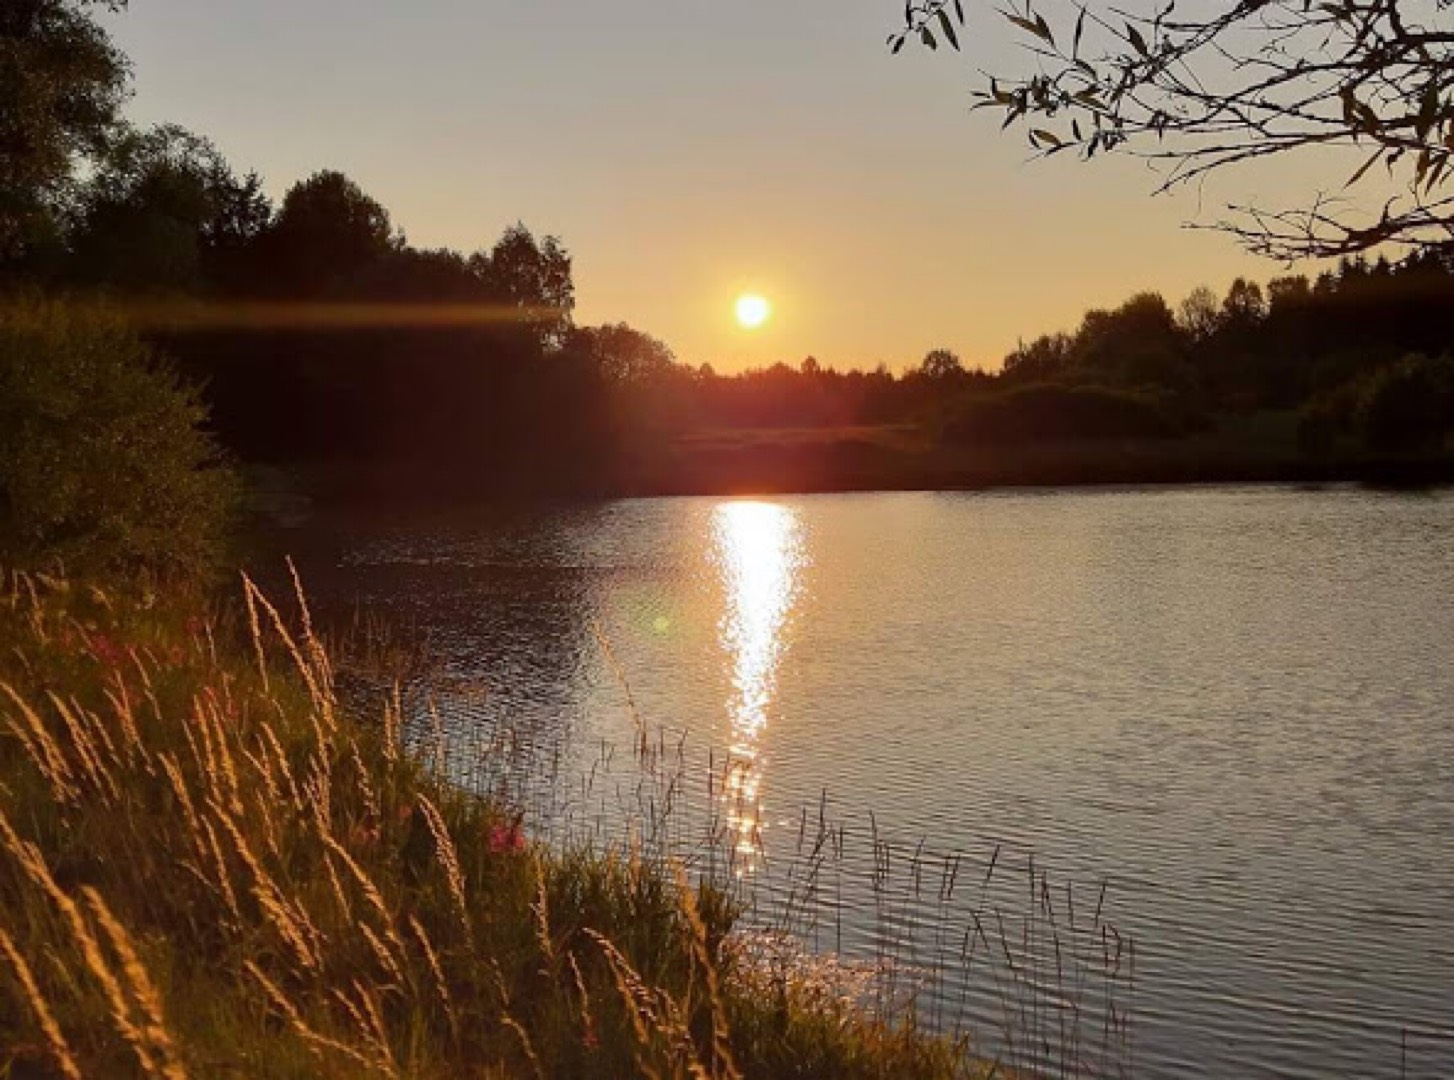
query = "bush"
x=1318 y=426
x=1408 y=405
x=1326 y=418
x=1048 y=412
x=104 y=465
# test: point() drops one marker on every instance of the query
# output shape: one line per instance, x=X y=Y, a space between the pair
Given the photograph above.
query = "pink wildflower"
x=106 y=650
x=363 y=836
x=506 y=839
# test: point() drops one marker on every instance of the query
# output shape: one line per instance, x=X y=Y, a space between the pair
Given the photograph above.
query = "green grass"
x=209 y=868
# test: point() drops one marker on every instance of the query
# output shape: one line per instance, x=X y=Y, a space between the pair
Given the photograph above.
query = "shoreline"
x=288 y=489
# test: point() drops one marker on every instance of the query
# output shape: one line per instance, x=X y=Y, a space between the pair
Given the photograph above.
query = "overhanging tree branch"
x=1262 y=78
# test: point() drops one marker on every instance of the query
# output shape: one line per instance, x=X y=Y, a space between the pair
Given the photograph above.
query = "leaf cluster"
x=104 y=463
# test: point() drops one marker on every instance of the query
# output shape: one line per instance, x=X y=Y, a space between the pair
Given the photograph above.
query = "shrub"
x=104 y=465
x=1324 y=419
x=1049 y=412
x=1408 y=405
x=1318 y=427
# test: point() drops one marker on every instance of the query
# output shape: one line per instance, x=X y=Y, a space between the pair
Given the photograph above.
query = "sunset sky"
x=687 y=152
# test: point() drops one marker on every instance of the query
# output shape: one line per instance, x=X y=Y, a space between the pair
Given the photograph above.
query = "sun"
x=752 y=311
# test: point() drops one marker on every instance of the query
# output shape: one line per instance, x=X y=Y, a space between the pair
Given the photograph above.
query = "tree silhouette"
x=1221 y=85
x=1244 y=306
x=326 y=232
x=1408 y=405
x=163 y=212
x=941 y=364
x=1043 y=358
x=1200 y=313
x=534 y=277
x=621 y=354
x=61 y=84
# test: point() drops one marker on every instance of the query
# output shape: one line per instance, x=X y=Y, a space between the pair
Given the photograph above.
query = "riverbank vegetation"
x=212 y=868
x=104 y=464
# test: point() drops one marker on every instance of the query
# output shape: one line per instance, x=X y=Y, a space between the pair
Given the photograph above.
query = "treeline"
x=317 y=333
x=313 y=328
x=1339 y=348
x=316 y=329
x=1360 y=353
x=321 y=334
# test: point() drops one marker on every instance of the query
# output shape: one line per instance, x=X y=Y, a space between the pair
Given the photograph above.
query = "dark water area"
x=1233 y=707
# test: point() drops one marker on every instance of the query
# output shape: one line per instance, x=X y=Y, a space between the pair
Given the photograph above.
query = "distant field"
x=1254 y=447
x=745 y=461
x=901 y=437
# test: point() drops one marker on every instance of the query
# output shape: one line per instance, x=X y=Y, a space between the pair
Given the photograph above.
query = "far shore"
x=842 y=460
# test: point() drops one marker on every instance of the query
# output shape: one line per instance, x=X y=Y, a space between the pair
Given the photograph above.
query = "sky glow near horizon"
x=689 y=153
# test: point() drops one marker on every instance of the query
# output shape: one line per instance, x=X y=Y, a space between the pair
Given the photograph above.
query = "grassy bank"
x=211 y=869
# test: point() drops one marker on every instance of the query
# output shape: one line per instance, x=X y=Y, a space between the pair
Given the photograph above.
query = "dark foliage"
x=61 y=84
x=326 y=234
x=1408 y=405
x=164 y=214
x=103 y=465
x=1049 y=413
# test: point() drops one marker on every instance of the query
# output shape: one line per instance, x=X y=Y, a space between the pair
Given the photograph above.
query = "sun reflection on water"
x=758 y=549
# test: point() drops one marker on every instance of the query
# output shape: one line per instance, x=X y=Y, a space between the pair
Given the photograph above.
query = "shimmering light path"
x=759 y=553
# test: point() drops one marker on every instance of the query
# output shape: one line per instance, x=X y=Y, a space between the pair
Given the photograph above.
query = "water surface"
x=1234 y=705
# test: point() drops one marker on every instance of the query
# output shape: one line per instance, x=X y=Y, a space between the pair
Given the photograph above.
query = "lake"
x=1231 y=707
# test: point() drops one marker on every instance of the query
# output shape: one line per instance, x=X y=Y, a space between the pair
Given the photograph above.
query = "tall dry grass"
x=210 y=867
x=988 y=948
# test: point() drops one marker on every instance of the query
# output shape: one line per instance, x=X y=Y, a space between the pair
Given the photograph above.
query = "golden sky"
x=688 y=151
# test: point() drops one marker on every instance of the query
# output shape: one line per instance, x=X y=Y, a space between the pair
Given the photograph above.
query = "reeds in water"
x=213 y=866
